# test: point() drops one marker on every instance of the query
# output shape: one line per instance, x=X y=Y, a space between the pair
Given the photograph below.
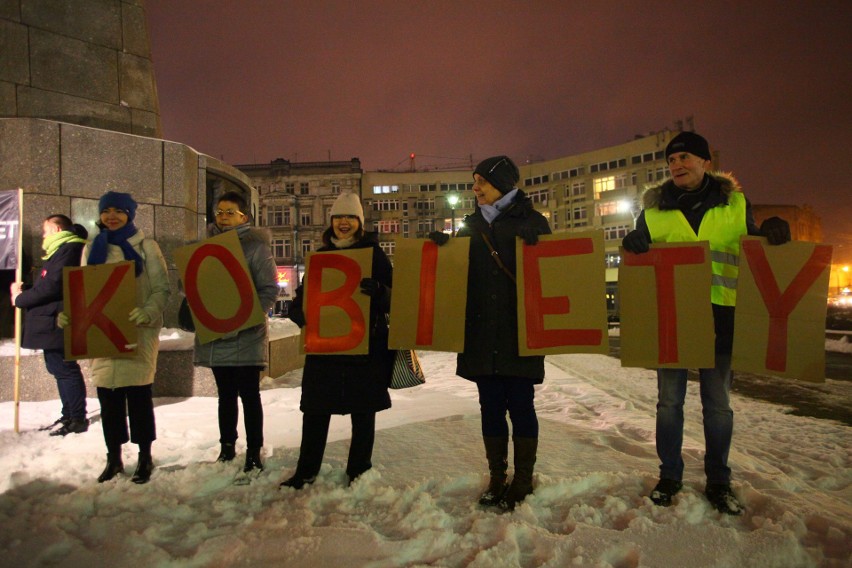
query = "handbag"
x=407 y=371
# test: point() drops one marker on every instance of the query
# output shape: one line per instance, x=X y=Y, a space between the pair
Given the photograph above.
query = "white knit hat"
x=348 y=204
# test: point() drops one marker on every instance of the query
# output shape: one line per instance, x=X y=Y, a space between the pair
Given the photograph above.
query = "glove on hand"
x=372 y=287
x=636 y=242
x=776 y=230
x=62 y=320
x=529 y=234
x=139 y=317
x=438 y=238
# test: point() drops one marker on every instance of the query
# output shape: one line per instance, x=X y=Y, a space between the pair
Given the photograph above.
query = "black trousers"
x=315 y=434
x=116 y=405
x=242 y=383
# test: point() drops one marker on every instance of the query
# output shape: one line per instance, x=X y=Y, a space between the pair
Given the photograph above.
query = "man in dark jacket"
x=63 y=245
x=696 y=205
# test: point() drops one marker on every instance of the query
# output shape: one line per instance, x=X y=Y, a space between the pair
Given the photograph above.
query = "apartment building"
x=412 y=204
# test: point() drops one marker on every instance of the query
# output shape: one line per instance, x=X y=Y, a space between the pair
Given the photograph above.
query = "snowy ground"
x=417 y=506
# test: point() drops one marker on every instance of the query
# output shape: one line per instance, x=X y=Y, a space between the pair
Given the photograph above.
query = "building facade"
x=296 y=200
x=597 y=190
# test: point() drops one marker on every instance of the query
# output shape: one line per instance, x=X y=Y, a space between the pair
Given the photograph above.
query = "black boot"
x=73 y=426
x=497 y=453
x=227 y=453
x=61 y=421
x=311 y=450
x=253 y=460
x=143 y=469
x=114 y=466
x=521 y=486
x=297 y=481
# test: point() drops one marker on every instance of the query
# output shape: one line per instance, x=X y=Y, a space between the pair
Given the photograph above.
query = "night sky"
x=767 y=83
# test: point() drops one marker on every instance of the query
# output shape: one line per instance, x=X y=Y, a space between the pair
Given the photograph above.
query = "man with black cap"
x=699 y=205
x=505 y=380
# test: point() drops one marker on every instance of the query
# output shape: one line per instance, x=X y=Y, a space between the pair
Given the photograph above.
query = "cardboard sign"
x=98 y=301
x=562 y=295
x=666 y=315
x=429 y=295
x=781 y=305
x=337 y=314
x=218 y=286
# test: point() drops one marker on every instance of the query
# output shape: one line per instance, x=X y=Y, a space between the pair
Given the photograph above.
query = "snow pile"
x=417 y=506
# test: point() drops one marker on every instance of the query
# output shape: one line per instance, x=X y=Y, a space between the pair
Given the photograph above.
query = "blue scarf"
x=490 y=212
x=98 y=253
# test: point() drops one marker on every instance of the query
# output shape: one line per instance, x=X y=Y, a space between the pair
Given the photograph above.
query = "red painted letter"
x=426 y=304
x=537 y=306
x=779 y=305
x=241 y=280
x=83 y=316
x=664 y=261
x=340 y=297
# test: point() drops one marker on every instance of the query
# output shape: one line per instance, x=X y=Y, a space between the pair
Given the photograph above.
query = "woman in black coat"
x=346 y=384
x=505 y=380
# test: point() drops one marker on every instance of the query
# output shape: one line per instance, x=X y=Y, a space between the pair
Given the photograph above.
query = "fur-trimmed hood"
x=661 y=195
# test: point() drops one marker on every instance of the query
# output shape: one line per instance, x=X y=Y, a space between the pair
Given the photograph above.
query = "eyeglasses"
x=228 y=212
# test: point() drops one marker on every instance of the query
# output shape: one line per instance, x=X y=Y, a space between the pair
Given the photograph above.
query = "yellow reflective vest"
x=722 y=226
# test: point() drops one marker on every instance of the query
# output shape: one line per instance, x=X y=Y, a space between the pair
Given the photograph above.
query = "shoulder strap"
x=496 y=256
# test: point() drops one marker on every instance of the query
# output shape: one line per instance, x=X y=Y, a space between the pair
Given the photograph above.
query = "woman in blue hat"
x=124 y=383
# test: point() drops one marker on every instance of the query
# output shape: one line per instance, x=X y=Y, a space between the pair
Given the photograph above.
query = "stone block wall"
x=86 y=62
x=65 y=168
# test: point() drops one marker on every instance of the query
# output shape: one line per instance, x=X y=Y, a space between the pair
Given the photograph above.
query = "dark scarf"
x=689 y=200
x=119 y=238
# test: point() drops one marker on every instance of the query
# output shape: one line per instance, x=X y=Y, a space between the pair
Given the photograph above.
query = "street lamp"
x=453 y=200
x=629 y=206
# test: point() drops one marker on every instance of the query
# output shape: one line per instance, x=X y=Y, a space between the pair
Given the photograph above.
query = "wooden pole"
x=18 y=278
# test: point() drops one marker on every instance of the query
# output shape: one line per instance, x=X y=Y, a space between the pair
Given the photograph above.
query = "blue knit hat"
x=123 y=201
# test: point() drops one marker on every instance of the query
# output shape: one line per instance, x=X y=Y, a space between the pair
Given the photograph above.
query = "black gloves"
x=436 y=237
x=372 y=287
x=529 y=234
x=776 y=230
x=636 y=242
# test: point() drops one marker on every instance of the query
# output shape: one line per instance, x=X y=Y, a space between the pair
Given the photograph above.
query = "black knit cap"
x=500 y=171
x=689 y=142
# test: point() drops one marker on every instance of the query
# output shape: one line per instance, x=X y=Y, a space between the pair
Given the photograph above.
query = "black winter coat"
x=345 y=384
x=44 y=300
x=491 y=318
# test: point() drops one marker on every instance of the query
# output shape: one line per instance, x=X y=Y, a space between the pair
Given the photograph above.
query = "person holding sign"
x=238 y=358
x=346 y=384
x=63 y=243
x=505 y=380
x=696 y=205
x=124 y=383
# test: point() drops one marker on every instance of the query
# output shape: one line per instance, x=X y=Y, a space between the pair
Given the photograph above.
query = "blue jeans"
x=69 y=382
x=515 y=395
x=718 y=420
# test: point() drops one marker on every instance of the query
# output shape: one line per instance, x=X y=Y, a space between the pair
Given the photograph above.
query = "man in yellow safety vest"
x=699 y=205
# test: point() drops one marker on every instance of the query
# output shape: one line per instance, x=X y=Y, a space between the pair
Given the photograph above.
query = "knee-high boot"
x=497 y=453
x=521 y=486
